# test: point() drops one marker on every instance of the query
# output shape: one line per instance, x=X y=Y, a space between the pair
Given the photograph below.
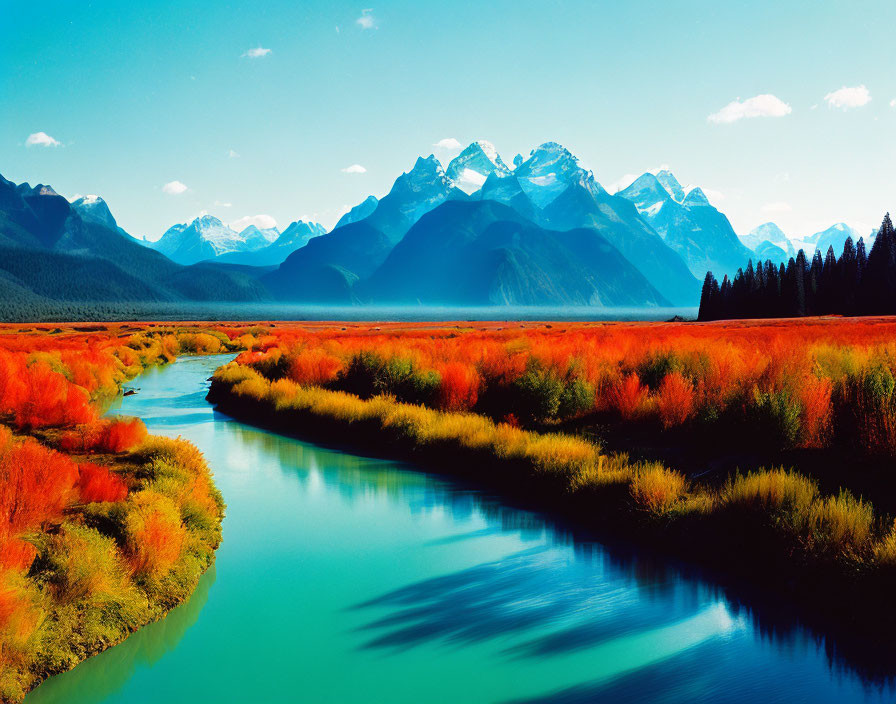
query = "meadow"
x=522 y=407
x=104 y=528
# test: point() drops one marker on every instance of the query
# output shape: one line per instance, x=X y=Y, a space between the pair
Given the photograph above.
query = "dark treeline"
x=858 y=283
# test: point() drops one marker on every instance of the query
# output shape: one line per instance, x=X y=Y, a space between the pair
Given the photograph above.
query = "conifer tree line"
x=858 y=283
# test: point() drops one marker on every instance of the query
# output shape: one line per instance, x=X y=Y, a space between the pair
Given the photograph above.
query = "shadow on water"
x=104 y=674
x=552 y=605
x=616 y=624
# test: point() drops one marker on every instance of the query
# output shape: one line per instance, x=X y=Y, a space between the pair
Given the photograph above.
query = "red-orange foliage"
x=676 y=399
x=156 y=540
x=98 y=484
x=49 y=399
x=816 y=411
x=36 y=484
x=313 y=367
x=122 y=434
x=628 y=396
x=459 y=387
x=111 y=435
x=16 y=553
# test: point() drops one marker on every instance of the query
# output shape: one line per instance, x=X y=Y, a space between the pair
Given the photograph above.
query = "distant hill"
x=549 y=191
x=688 y=223
x=207 y=238
x=484 y=253
x=63 y=251
x=294 y=237
x=539 y=230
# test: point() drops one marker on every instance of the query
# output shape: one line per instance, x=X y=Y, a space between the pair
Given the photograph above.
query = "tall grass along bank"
x=831 y=554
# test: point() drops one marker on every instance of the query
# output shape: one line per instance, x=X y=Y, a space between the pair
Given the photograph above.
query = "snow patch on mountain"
x=469 y=169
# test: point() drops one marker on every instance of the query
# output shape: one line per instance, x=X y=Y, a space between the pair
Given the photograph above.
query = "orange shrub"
x=676 y=400
x=49 y=399
x=110 y=435
x=313 y=366
x=459 y=387
x=16 y=553
x=122 y=434
x=816 y=411
x=628 y=396
x=36 y=484
x=155 y=534
x=98 y=484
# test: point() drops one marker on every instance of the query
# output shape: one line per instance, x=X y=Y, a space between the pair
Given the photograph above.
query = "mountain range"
x=76 y=252
x=768 y=241
x=541 y=231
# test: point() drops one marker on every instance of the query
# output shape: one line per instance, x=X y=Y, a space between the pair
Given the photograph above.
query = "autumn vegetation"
x=809 y=384
x=103 y=528
x=523 y=406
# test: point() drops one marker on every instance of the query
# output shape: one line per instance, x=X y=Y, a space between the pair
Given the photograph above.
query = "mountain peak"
x=94 y=209
x=767 y=232
x=207 y=221
x=671 y=184
x=469 y=169
x=647 y=194
x=549 y=170
x=427 y=175
x=696 y=198
x=359 y=212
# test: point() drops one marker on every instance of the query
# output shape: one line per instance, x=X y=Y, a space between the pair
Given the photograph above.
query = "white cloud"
x=778 y=207
x=366 y=20
x=765 y=105
x=354 y=169
x=233 y=155
x=256 y=53
x=262 y=222
x=174 y=188
x=848 y=97
x=893 y=103
x=449 y=144
x=40 y=139
x=221 y=204
x=621 y=183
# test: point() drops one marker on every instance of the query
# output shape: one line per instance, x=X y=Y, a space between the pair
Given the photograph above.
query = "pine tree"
x=707 y=307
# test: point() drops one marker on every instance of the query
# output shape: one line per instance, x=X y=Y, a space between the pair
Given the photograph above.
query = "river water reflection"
x=349 y=579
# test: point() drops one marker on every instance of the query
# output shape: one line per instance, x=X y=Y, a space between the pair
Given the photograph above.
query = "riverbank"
x=103 y=529
x=830 y=557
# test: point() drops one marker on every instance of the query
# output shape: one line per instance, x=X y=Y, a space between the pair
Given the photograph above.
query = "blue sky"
x=140 y=95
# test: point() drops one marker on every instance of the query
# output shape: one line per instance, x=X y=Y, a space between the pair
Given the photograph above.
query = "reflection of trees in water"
x=97 y=678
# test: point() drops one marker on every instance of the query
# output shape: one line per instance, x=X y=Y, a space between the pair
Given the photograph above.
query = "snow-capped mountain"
x=548 y=171
x=671 y=184
x=75 y=251
x=327 y=268
x=760 y=238
x=768 y=232
x=688 y=223
x=94 y=209
x=207 y=237
x=254 y=238
x=834 y=236
x=298 y=233
x=470 y=169
x=294 y=237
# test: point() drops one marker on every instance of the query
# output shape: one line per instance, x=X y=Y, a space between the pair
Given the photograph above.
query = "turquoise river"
x=349 y=579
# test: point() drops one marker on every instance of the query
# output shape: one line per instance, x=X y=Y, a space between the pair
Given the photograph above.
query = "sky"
x=782 y=111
